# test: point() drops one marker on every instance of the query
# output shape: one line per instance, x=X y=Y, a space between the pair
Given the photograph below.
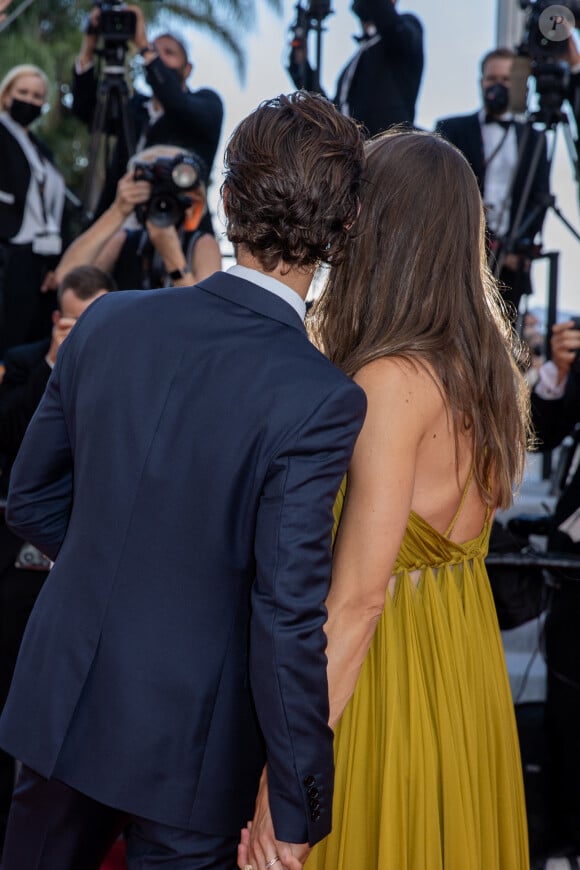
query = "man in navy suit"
x=181 y=471
x=501 y=152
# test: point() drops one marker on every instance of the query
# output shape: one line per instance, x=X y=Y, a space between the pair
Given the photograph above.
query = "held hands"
x=565 y=343
x=259 y=848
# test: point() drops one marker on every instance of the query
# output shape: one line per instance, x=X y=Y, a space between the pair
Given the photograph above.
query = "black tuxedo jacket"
x=386 y=82
x=464 y=131
x=15 y=178
x=26 y=375
x=553 y=420
x=181 y=469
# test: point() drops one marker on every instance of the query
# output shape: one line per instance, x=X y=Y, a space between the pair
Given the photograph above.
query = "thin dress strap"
x=461 y=503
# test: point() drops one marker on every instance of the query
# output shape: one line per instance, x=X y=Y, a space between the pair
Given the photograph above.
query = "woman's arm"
x=381 y=482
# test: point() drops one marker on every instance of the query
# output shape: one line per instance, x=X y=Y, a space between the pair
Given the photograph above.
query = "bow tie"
x=490 y=119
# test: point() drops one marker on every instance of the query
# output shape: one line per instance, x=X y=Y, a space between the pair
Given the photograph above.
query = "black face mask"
x=24 y=113
x=496 y=99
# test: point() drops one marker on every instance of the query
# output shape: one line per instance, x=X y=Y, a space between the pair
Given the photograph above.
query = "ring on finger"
x=272 y=861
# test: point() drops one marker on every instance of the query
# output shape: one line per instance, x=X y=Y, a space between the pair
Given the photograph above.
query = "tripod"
x=551 y=116
x=303 y=74
x=111 y=119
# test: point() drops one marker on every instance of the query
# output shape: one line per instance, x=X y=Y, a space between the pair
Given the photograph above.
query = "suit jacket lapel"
x=478 y=158
x=242 y=292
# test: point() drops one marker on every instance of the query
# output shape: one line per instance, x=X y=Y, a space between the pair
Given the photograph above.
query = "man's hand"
x=131 y=193
x=60 y=330
x=165 y=240
x=516 y=262
x=4 y=4
x=140 y=39
x=565 y=343
x=50 y=282
x=571 y=55
x=89 y=43
x=258 y=844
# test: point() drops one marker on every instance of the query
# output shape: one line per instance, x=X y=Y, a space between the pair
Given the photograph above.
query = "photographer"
x=173 y=115
x=500 y=151
x=22 y=568
x=32 y=197
x=141 y=255
x=555 y=413
x=380 y=84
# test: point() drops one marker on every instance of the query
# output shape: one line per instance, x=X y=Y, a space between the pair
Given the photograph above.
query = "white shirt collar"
x=267 y=282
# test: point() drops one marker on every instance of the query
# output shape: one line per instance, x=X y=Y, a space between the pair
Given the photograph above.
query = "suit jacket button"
x=315 y=816
x=309 y=780
x=313 y=791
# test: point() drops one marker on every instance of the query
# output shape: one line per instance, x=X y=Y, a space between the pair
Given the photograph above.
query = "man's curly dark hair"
x=292 y=178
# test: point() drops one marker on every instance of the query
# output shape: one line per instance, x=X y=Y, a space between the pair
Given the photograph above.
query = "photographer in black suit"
x=23 y=569
x=380 y=83
x=173 y=115
x=500 y=151
x=555 y=413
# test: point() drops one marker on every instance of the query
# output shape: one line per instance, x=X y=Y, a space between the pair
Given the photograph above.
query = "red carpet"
x=115 y=860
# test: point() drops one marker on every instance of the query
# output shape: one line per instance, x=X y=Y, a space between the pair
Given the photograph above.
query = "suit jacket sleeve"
x=402 y=35
x=84 y=94
x=198 y=112
x=41 y=482
x=287 y=646
x=19 y=398
x=553 y=419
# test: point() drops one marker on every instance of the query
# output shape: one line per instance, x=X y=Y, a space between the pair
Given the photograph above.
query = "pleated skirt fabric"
x=428 y=770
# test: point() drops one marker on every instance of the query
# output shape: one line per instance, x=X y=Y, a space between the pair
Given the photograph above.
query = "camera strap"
x=497 y=149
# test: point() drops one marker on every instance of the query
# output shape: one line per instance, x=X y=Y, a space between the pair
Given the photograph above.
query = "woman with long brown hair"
x=428 y=773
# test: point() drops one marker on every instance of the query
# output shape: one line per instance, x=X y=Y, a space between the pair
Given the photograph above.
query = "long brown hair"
x=415 y=284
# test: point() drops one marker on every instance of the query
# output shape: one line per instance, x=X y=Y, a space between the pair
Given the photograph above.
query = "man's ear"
x=350 y=225
x=188 y=69
x=225 y=195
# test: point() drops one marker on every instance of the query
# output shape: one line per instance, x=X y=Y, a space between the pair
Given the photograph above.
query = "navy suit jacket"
x=464 y=131
x=181 y=469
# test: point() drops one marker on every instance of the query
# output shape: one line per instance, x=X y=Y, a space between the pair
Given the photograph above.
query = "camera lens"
x=164 y=211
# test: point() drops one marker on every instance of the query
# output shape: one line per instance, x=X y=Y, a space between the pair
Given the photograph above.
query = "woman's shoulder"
x=402 y=376
x=402 y=393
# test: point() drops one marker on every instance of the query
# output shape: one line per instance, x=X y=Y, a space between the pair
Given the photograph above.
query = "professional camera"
x=116 y=23
x=172 y=179
x=546 y=31
x=542 y=54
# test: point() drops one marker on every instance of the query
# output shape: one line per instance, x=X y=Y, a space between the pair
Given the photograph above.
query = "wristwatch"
x=177 y=274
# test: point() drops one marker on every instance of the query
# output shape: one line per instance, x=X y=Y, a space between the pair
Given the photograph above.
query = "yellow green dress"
x=428 y=772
